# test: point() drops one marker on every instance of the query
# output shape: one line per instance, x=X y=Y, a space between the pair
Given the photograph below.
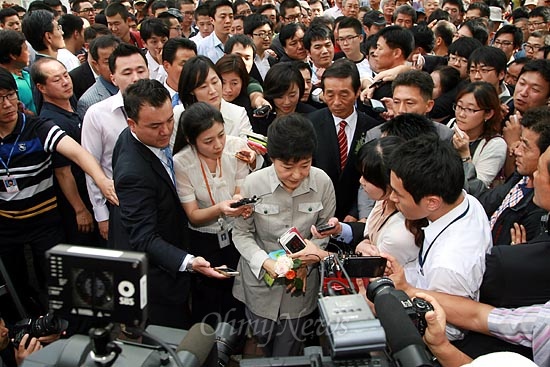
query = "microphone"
x=194 y=349
x=405 y=342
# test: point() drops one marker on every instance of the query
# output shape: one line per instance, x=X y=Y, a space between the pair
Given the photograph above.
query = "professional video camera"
x=416 y=309
x=109 y=285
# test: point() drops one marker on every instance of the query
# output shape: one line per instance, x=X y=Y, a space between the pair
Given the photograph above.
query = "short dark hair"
x=265 y=7
x=236 y=3
x=324 y=20
x=75 y=5
x=196 y=119
x=483 y=8
x=11 y=43
x=487 y=99
x=291 y=138
x=144 y=92
x=214 y=5
x=280 y=78
x=234 y=63
x=415 y=78
x=408 y=126
x=7 y=82
x=151 y=27
x=342 y=69
x=202 y=10
x=464 y=46
x=158 y=4
x=478 y=29
x=538 y=120
x=428 y=166
x=37 y=76
x=241 y=39
x=70 y=23
x=490 y=56
x=407 y=10
x=541 y=11
x=117 y=8
x=397 y=37
x=514 y=31
x=423 y=37
x=95 y=30
x=288 y=4
x=35 y=25
x=254 y=21
x=449 y=77
x=538 y=66
x=173 y=45
x=458 y=3
x=317 y=33
x=374 y=159
x=439 y=14
x=193 y=75
x=103 y=42
x=288 y=31
x=445 y=30
x=350 y=22
x=123 y=50
x=7 y=12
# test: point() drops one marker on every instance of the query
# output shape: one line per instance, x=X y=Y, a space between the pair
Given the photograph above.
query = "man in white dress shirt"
x=221 y=16
x=154 y=33
x=105 y=120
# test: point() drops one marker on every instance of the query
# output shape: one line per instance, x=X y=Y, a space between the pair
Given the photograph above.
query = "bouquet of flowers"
x=287 y=271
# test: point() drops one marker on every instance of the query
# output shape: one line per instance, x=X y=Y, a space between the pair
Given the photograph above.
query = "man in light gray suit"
x=100 y=50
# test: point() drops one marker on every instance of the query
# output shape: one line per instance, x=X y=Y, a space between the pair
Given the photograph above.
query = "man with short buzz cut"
x=84 y=9
x=117 y=20
x=9 y=19
x=150 y=217
x=53 y=81
x=404 y=16
x=426 y=180
x=175 y=54
x=101 y=49
x=339 y=128
x=105 y=120
x=319 y=43
x=221 y=16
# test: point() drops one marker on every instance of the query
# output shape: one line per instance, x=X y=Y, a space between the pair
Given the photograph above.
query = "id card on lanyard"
x=10 y=182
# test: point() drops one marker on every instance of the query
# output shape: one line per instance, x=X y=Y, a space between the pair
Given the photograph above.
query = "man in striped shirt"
x=28 y=205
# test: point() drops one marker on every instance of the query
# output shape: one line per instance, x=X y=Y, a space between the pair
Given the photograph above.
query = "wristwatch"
x=189 y=267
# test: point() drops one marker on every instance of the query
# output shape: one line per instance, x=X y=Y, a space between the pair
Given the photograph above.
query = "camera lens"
x=227 y=339
x=422 y=305
x=379 y=286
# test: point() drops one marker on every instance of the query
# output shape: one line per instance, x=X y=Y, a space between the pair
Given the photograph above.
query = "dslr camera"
x=36 y=328
x=416 y=309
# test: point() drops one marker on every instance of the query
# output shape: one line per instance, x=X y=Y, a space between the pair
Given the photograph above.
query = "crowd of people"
x=419 y=130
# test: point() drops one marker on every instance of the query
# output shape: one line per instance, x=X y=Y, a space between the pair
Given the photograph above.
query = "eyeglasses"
x=263 y=34
x=467 y=111
x=500 y=43
x=346 y=39
x=10 y=97
x=457 y=60
x=177 y=28
x=530 y=48
x=483 y=70
x=293 y=18
x=535 y=24
x=87 y=10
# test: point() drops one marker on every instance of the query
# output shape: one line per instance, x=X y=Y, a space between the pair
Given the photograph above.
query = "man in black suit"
x=341 y=87
x=83 y=78
x=150 y=217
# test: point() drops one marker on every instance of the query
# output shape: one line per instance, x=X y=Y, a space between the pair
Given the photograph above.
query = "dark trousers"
x=212 y=300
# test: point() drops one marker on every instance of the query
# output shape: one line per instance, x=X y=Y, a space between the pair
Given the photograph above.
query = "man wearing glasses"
x=84 y=9
x=187 y=10
x=349 y=39
x=291 y=12
x=43 y=33
x=259 y=28
x=539 y=19
x=534 y=43
x=508 y=39
x=488 y=64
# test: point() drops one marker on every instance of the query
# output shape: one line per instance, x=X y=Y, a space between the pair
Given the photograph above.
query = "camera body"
x=36 y=328
x=416 y=309
x=98 y=283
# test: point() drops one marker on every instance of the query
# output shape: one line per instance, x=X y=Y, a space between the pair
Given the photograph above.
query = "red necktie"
x=343 y=144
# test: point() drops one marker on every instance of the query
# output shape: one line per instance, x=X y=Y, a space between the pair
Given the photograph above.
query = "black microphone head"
x=199 y=341
x=400 y=331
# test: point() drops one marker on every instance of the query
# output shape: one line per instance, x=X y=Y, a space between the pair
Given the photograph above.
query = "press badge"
x=10 y=184
x=223 y=233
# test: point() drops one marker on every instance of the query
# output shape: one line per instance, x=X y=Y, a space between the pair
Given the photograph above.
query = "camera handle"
x=104 y=351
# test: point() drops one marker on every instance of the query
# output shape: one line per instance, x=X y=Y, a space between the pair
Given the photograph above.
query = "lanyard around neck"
x=422 y=260
x=6 y=164
x=206 y=179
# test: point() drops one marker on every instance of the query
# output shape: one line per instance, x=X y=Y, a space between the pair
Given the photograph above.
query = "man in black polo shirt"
x=28 y=205
x=53 y=81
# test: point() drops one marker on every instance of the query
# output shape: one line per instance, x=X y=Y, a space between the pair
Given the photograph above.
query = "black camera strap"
x=422 y=260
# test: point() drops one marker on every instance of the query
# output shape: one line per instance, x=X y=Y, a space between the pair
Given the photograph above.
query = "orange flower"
x=291 y=274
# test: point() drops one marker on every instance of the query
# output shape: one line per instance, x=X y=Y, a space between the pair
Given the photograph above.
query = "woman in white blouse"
x=208 y=180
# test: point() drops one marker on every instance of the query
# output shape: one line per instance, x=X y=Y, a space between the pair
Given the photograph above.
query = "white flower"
x=282 y=265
